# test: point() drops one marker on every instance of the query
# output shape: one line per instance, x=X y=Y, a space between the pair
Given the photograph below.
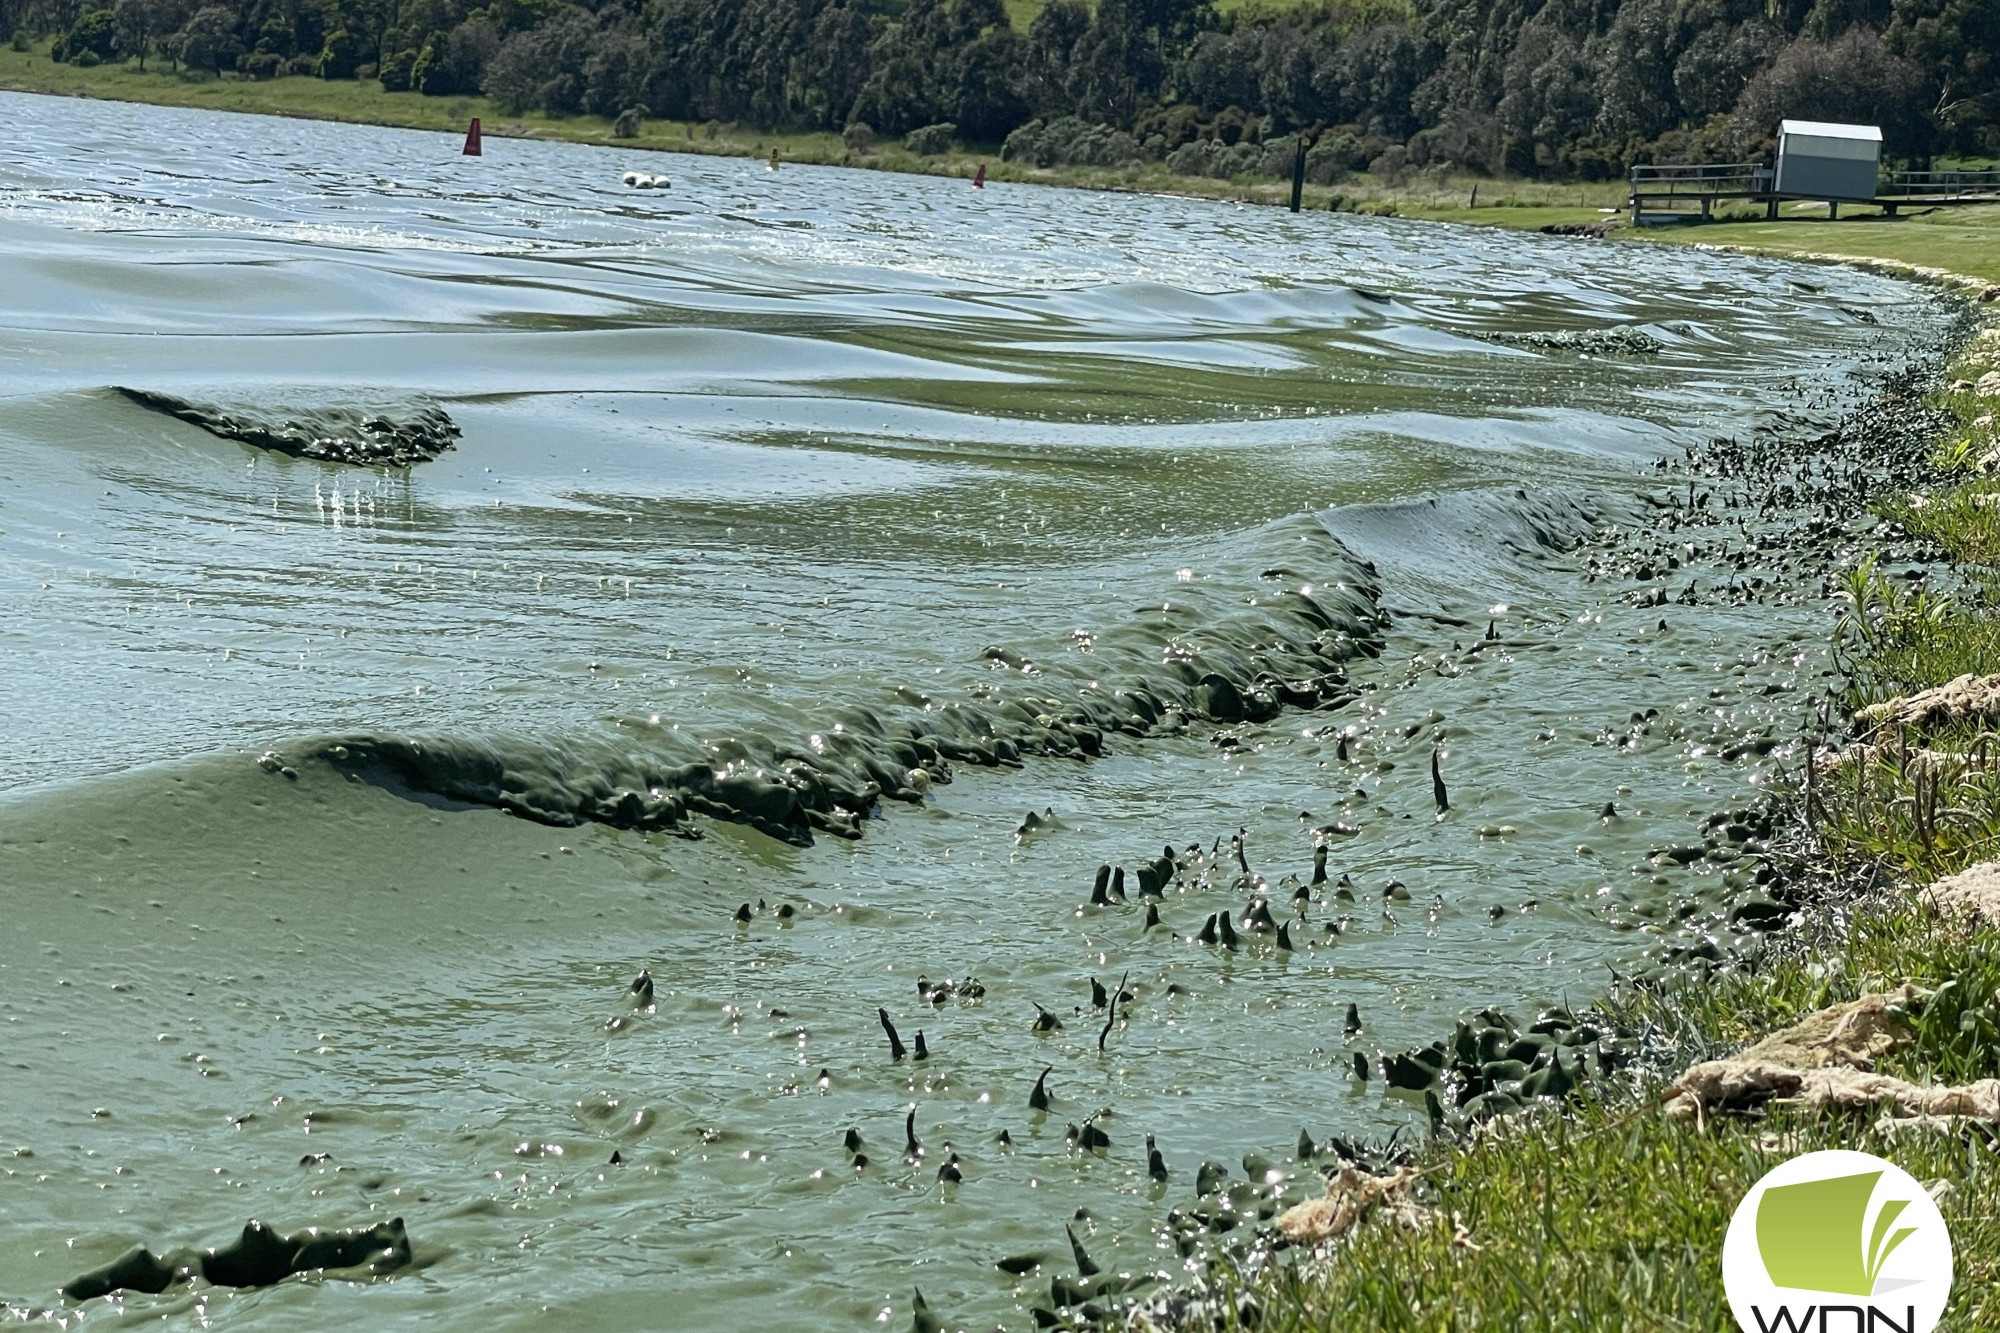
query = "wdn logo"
x=1837 y=1242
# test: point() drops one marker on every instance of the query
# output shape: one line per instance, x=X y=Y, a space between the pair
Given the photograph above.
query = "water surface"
x=745 y=464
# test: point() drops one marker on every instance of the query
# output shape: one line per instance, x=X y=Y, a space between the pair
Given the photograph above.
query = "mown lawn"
x=1963 y=239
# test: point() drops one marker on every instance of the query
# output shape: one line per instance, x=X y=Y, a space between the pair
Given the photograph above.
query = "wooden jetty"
x=1686 y=193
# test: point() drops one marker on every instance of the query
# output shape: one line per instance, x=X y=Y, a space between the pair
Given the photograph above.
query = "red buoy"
x=979 y=177
x=472 y=139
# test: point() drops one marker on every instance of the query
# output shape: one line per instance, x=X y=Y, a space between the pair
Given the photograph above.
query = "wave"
x=1473 y=545
x=395 y=434
x=1275 y=629
x=1277 y=632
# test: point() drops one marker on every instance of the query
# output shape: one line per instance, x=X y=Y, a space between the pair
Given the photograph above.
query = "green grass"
x=1612 y=1219
x=1924 y=804
x=1963 y=240
x=1611 y=1216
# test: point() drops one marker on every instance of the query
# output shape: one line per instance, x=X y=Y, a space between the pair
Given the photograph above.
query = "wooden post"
x=1299 y=172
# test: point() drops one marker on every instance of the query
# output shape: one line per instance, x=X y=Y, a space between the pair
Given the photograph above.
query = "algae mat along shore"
x=792 y=537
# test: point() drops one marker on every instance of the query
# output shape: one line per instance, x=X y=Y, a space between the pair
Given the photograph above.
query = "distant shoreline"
x=1966 y=242
x=1519 y=205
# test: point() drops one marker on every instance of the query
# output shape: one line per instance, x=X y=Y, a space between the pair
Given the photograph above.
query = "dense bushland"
x=1556 y=88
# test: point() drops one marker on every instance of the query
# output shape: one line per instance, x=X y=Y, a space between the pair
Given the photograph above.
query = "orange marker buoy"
x=472 y=139
x=979 y=177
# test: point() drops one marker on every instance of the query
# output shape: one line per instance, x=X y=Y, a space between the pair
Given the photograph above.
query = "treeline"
x=1561 y=88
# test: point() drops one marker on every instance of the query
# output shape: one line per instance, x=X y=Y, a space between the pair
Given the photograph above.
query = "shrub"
x=1336 y=153
x=209 y=41
x=1073 y=141
x=94 y=35
x=397 y=70
x=627 y=124
x=1277 y=156
x=931 y=140
x=1195 y=158
x=85 y=59
x=340 y=57
x=260 y=65
x=21 y=41
x=859 y=137
x=1391 y=164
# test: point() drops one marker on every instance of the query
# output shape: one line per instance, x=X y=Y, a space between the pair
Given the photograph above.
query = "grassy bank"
x=1963 y=241
x=1611 y=1214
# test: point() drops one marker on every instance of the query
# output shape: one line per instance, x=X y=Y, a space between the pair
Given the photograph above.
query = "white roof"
x=1820 y=129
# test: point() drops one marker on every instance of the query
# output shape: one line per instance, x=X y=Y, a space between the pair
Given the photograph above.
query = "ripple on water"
x=772 y=501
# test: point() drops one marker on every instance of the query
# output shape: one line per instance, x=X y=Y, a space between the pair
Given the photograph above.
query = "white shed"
x=1819 y=160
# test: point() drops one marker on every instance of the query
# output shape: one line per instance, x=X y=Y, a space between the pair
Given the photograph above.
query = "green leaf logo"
x=1813 y=1235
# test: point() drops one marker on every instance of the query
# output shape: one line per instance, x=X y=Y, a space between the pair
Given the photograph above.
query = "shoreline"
x=1547 y=1151
x=1626 y=1190
x=1967 y=238
x=1526 y=205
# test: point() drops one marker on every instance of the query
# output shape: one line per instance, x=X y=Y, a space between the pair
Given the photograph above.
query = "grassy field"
x=1962 y=240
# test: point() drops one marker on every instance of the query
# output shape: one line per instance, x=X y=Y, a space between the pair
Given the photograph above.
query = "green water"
x=770 y=458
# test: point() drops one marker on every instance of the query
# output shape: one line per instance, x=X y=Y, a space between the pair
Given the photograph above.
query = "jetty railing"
x=1699 y=184
x=1678 y=191
x=1943 y=184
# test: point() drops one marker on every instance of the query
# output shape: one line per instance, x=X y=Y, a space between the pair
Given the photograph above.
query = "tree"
x=826 y=78
x=468 y=50
x=1050 y=54
x=1220 y=69
x=1958 y=41
x=1635 y=71
x=209 y=42
x=1711 y=74
x=340 y=56
x=1118 y=65
x=1854 y=78
x=1376 y=74
x=614 y=73
x=132 y=27
x=1548 y=96
x=944 y=56
x=544 y=67
x=989 y=105
x=91 y=40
